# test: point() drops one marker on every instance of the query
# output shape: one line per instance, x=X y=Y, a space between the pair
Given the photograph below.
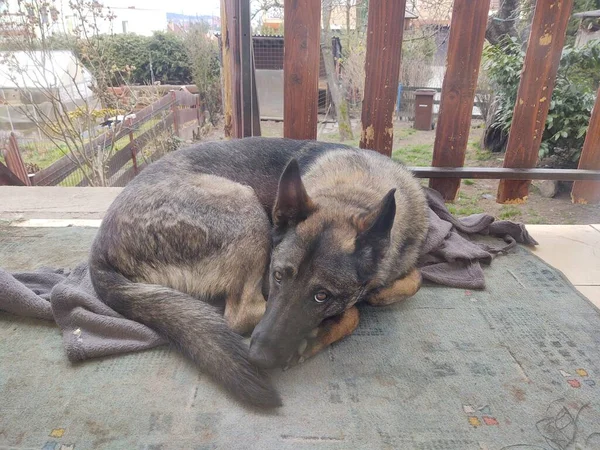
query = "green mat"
x=514 y=367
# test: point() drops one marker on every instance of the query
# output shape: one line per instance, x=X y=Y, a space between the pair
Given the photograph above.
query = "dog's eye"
x=321 y=296
x=278 y=276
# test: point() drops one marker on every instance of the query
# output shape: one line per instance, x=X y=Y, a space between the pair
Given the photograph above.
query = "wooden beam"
x=588 y=191
x=226 y=73
x=535 y=91
x=230 y=44
x=465 y=46
x=385 y=28
x=499 y=173
x=302 y=22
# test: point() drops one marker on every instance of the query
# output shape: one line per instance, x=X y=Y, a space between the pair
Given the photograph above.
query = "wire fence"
x=268 y=61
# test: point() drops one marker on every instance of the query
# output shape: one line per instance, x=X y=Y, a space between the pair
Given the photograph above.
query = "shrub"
x=203 y=54
x=572 y=100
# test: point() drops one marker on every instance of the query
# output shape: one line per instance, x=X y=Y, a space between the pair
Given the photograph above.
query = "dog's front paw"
x=330 y=331
x=310 y=346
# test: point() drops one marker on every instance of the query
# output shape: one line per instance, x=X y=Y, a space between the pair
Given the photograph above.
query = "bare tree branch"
x=69 y=114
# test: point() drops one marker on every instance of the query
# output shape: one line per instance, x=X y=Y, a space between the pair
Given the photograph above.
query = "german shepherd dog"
x=194 y=245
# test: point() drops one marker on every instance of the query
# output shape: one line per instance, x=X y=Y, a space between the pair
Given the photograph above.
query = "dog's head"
x=323 y=259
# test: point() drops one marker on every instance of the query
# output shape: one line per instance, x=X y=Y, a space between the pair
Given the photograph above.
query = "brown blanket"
x=451 y=258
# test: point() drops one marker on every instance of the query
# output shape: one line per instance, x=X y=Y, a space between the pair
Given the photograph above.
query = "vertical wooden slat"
x=226 y=73
x=589 y=191
x=230 y=43
x=382 y=68
x=255 y=106
x=302 y=21
x=535 y=91
x=245 y=34
x=14 y=161
x=7 y=178
x=175 y=112
x=465 y=46
x=128 y=124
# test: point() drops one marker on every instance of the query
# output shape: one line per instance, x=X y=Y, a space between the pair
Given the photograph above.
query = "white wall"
x=142 y=20
x=138 y=21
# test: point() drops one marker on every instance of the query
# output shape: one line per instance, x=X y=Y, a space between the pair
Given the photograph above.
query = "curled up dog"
x=194 y=245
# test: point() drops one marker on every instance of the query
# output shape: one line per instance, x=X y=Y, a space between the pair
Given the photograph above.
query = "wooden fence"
x=465 y=46
x=14 y=162
x=172 y=112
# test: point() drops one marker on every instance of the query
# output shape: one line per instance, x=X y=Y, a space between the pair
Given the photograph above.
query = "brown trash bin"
x=424 y=109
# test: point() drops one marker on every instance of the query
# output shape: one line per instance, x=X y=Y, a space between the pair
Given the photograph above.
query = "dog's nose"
x=260 y=354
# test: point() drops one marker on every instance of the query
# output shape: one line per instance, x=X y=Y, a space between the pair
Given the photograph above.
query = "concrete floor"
x=575 y=251
x=572 y=249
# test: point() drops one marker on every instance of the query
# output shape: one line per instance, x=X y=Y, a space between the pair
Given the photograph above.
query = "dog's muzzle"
x=261 y=352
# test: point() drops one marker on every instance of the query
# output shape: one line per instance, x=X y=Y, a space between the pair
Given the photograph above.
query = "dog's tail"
x=194 y=326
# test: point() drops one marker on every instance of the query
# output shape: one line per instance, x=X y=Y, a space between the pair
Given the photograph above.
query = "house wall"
x=139 y=21
x=142 y=21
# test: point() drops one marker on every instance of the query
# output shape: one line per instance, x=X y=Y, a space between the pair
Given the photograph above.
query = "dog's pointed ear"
x=374 y=228
x=292 y=205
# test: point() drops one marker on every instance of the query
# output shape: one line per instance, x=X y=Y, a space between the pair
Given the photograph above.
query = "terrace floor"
x=572 y=249
x=500 y=368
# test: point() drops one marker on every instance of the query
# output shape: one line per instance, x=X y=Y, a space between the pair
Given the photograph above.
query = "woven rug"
x=516 y=366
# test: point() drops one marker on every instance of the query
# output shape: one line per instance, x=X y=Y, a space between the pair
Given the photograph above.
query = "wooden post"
x=245 y=34
x=302 y=21
x=174 y=111
x=128 y=124
x=255 y=106
x=465 y=46
x=385 y=28
x=230 y=44
x=199 y=112
x=226 y=73
x=535 y=91
x=589 y=191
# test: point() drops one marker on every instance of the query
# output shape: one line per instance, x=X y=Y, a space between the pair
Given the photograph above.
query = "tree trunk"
x=504 y=22
x=339 y=101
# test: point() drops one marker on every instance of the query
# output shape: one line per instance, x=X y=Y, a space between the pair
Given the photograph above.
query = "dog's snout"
x=260 y=353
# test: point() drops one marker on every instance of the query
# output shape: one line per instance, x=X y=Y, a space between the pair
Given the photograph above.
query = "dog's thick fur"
x=186 y=249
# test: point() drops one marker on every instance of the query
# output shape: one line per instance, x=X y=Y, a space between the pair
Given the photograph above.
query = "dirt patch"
x=415 y=148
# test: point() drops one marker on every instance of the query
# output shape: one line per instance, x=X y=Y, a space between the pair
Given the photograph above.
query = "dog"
x=274 y=237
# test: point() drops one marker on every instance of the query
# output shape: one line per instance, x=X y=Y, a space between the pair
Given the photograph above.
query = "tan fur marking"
x=310 y=228
x=334 y=329
x=398 y=291
x=345 y=238
x=243 y=316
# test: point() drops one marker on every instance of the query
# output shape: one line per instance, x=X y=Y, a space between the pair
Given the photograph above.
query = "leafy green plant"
x=572 y=100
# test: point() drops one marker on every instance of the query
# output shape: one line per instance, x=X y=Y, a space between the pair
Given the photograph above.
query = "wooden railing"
x=174 y=110
x=467 y=32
